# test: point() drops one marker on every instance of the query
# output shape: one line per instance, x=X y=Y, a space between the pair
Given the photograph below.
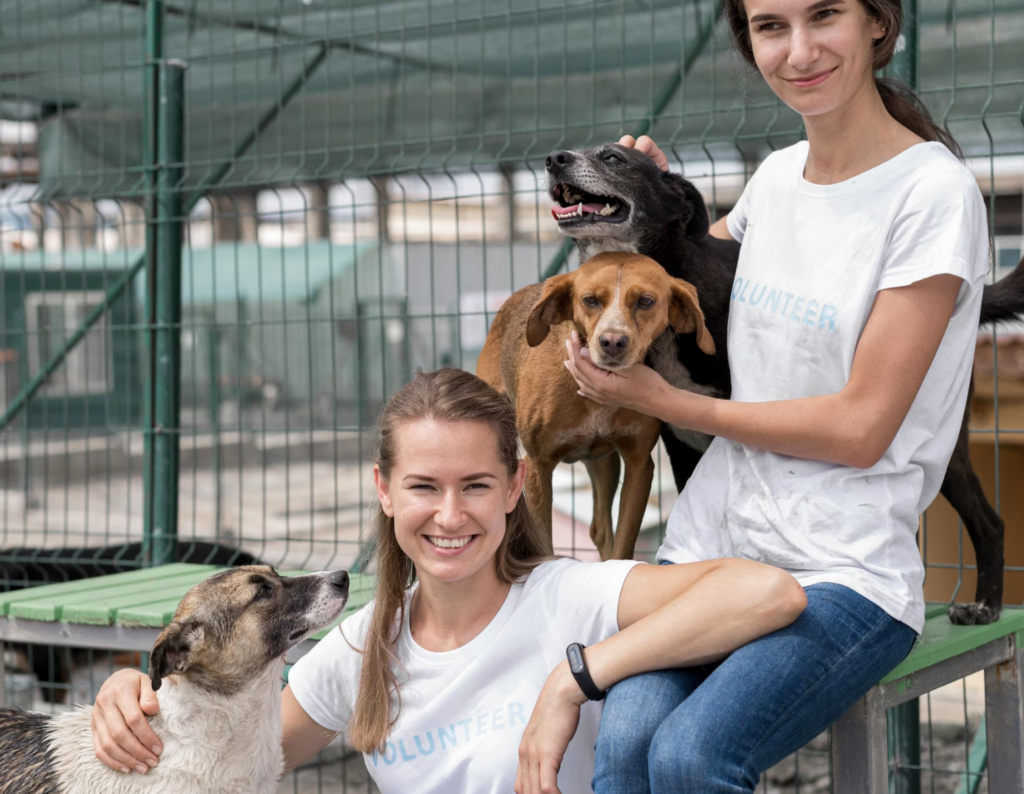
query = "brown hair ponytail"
x=900 y=101
x=446 y=395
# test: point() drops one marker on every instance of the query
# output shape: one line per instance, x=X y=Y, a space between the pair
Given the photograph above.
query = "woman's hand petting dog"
x=633 y=387
x=648 y=147
x=121 y=733
x=551 y=727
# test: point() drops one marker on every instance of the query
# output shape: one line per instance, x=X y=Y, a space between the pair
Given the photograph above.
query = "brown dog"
x=622 y=303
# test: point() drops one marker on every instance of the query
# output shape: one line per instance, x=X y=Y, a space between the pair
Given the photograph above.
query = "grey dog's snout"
x=339 y=581
x=556 y=161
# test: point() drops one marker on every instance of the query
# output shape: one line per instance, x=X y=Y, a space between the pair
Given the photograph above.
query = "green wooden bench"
x=943 y=653
x=123 y=611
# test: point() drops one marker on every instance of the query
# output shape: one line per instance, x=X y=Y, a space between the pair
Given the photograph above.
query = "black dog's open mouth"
x=575 y=205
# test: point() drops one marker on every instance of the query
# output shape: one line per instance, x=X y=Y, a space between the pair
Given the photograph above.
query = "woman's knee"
x=635 y=708
x=690 y=753
x=678 y=766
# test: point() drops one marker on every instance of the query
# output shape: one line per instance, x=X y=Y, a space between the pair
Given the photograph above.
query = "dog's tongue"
x=558 y=212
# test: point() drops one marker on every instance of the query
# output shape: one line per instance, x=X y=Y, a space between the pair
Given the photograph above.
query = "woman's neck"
x=853 y=139
x=447 y=615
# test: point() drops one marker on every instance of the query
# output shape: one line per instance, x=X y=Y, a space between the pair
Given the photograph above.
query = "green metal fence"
x=230 y=228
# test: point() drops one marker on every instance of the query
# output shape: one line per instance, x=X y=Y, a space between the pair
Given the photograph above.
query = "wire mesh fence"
x=280 y=210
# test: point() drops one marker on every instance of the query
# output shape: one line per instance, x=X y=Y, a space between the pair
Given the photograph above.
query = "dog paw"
x=976 y=614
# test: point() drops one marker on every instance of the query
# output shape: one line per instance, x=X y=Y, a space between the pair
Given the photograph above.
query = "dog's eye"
x=613 y=157
x=265 y=592
x=644 y=302
x=591 y=301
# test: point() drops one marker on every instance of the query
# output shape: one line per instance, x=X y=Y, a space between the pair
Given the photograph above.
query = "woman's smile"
x=450 y=546
x=811 y=80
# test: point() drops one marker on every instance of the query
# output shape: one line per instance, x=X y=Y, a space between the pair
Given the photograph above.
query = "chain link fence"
x=230 y=228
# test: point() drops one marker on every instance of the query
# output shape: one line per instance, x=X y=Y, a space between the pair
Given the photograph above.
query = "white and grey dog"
x=218 y=669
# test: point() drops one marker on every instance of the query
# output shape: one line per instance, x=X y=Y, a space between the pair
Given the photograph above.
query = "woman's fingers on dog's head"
x=651 y=149
x=647 y=146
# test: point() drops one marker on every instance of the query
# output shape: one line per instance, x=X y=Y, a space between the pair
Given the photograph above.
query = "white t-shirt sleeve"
x=736 y=220
x=939 y=229
x=767 y=173
x=325 y=681
x=588 y=598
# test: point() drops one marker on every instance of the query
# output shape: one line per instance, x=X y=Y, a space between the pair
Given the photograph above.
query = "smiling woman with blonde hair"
x=437 y=680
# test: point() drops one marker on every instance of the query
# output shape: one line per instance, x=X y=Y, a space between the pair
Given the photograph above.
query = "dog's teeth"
x=609 y=209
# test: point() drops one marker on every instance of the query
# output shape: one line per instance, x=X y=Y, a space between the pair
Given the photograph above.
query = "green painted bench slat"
x=941 y=640
x=100 y=607
x=154 y=615
x=158 y=612
x=132 y=599
x=53 y=595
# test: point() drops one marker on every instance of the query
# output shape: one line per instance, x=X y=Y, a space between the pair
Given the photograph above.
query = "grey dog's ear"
x=554 y=307
x=173 y=650
x=685 y=315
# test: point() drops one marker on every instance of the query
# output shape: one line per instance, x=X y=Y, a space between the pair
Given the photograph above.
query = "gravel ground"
x=943 y=760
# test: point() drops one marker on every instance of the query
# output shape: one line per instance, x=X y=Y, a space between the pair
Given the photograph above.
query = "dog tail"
x=1004 y=300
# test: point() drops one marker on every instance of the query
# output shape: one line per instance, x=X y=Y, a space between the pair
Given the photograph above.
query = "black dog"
x=26 y=567
x=625 y=202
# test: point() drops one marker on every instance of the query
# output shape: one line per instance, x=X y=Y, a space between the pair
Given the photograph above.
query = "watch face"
x=575 y=658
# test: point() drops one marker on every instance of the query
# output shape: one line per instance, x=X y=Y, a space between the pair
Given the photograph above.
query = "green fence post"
x=213 y=372
x=167 y=333
x=154 y=53
x=904 y=62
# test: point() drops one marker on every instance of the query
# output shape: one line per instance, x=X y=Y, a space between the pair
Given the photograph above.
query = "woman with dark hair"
x=435 y=681
x=851 y=337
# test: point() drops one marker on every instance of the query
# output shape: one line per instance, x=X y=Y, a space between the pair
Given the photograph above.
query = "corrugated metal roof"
x=435 y=85
x=234 y=271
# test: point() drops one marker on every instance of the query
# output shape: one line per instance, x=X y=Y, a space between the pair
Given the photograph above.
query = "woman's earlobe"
x=383 y=494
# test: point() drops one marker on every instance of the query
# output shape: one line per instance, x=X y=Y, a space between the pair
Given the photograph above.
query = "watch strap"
x=580 y=671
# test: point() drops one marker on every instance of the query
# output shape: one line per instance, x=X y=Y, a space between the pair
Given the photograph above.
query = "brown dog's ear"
x=685 y=316
x=173 y=650
x=554 y=307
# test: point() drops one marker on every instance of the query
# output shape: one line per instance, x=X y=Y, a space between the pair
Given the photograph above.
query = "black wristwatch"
x=578 y=666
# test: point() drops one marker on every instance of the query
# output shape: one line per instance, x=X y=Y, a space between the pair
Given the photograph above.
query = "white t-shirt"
x=813 y=258
x=463 y=711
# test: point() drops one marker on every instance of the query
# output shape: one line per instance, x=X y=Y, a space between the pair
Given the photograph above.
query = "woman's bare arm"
x=720 y=229
x=303 y=737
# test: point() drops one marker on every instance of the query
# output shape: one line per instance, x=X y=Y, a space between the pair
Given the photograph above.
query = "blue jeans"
x=715 y=728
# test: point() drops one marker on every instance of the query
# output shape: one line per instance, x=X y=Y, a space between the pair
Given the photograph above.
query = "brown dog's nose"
x=613 y=344
x=557 y=161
